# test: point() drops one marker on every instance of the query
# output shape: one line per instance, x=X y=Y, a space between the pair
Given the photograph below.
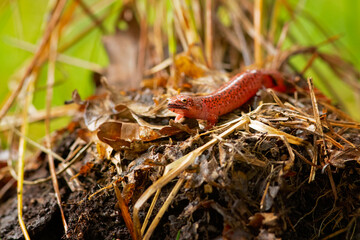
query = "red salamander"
x=228 y=97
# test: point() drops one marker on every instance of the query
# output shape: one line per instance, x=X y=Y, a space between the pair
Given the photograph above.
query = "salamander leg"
x=179 y=117
x=211 y=121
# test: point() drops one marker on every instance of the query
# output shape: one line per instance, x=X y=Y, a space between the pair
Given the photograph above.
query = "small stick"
x=318 y=126
x=265 y=191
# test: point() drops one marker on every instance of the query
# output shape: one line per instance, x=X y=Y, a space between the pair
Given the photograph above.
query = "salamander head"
x=185 y=105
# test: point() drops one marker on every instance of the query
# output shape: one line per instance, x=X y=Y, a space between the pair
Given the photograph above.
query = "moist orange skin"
x=228 y=97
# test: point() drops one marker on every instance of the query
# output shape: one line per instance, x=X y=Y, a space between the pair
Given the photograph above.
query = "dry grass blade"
x=163 y=209
x=345 y=124
x=60 y=57
x=186 y=25
x=209 y=33
x=289 y=163
x=158 y=31
x=276 y=98
x=161 y=66
x=344 y=70
x=13 y=121
x=181 y=24
x=258 y=10
x=92 y=16
x=341 y=114
x=21 y=159
x=86 y=30
x=149 y=212
x=261 y=127
x=346 y=229
x=37 y=145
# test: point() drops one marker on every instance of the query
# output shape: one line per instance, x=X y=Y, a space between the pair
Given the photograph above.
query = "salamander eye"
x=184 y=100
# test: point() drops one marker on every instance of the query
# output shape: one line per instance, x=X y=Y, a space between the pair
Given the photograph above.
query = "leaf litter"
x=284 y=165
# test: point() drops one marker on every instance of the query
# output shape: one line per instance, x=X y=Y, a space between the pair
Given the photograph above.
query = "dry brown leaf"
x=96 y=109
x=338 y=158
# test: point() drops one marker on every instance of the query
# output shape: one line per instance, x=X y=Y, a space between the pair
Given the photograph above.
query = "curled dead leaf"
x=122 y=134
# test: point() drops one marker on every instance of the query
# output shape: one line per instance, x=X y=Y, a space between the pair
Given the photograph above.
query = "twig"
x=49 y=94
x=309 y=63
x=83 y=33
x=305 y=160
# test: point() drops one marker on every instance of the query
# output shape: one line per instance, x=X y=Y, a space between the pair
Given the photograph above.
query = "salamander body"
x=228 y=97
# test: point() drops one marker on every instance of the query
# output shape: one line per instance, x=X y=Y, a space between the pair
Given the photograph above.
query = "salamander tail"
x=275 y=80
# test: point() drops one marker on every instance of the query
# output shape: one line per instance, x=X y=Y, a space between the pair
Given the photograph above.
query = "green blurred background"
x=22 y=22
